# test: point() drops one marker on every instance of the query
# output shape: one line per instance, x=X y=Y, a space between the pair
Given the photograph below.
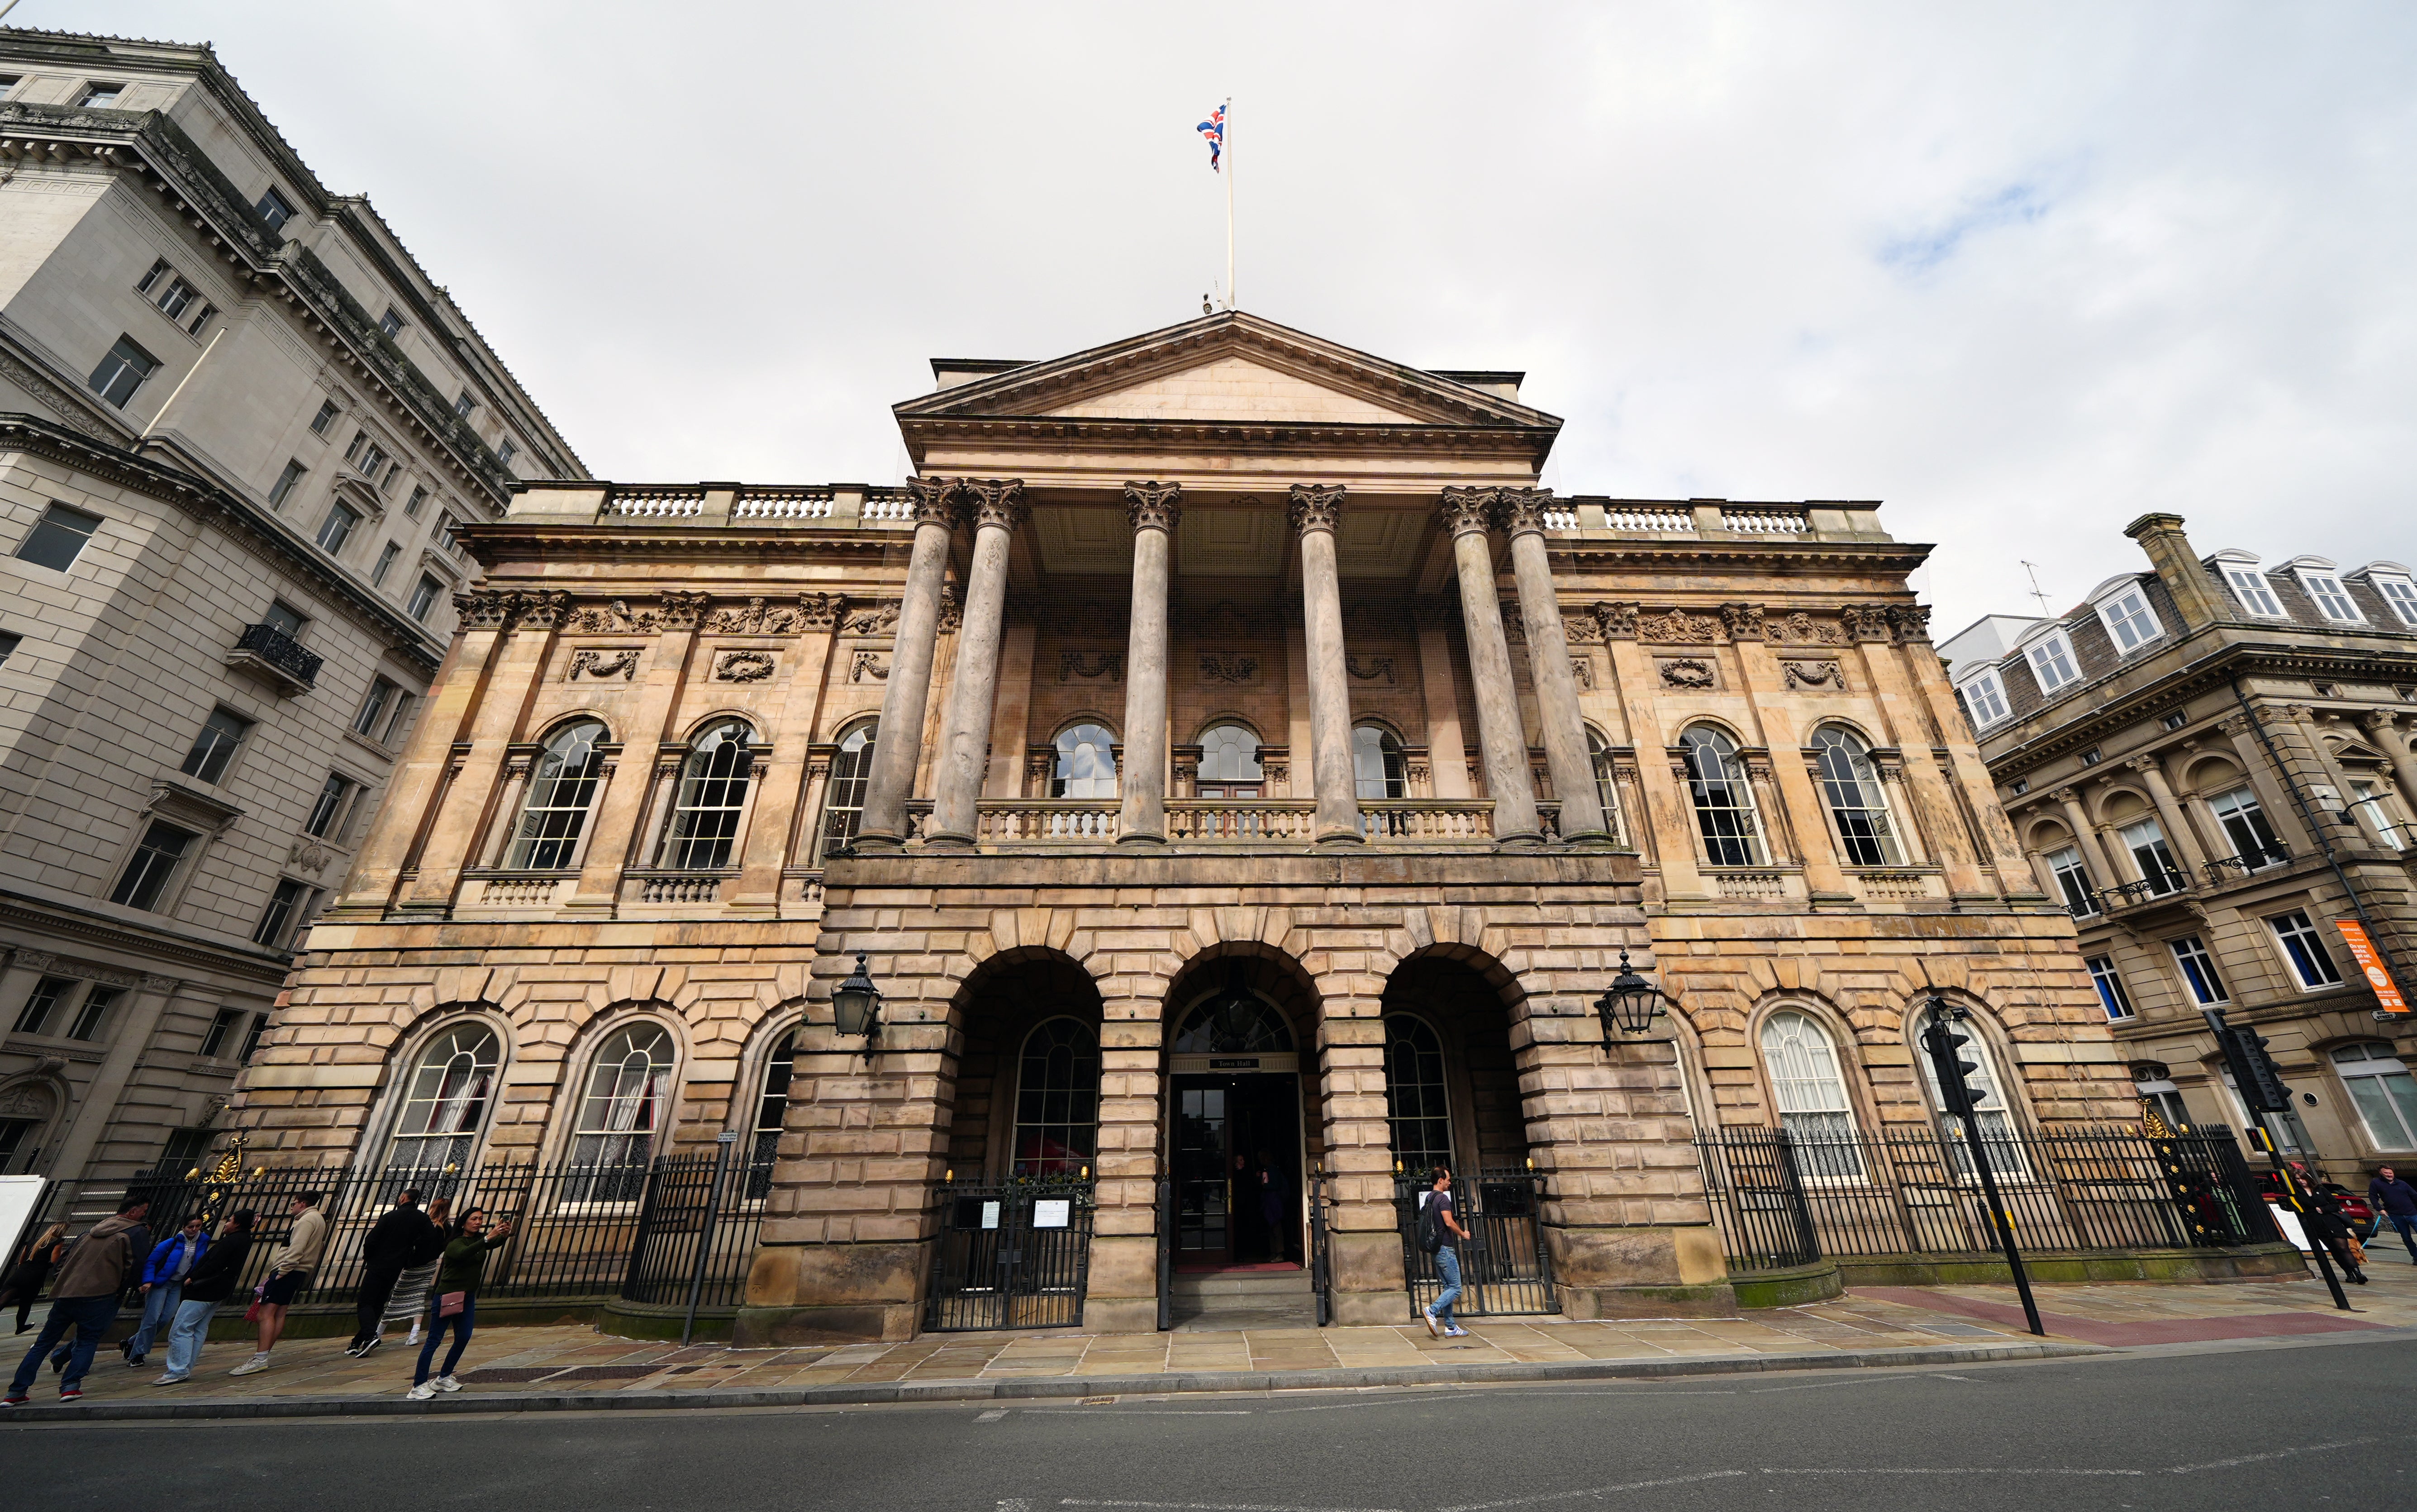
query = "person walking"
x=32 y=1267
x=456 y=1299
x=92 y=1279
x=210 y=1282
x=401 y=1238
x=410 y=1299
x=2394 y=1202
x=288 y=1274
x=2326 y=1226
x=163 y=1285
x=1439 y=1219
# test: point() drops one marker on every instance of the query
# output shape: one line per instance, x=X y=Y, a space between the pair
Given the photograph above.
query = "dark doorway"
x=1237 y=1170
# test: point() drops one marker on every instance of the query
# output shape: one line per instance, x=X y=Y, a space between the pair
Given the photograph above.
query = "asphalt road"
x=2271 y=1426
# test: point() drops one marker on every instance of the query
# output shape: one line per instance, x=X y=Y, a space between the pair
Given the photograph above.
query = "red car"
x=2354 y=1209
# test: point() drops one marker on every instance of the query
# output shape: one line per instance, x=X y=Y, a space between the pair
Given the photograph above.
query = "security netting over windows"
x=221 y=733
x=275 y=210
x=154 y=862
x=2072 y=880
x=2382 y=1091
x=1851 y=784
x=2109 y=982
x=1416 y=1106
x=1378 y=769
x=2199 y=972
x=629 y=1096
x=2305 y=949
x=122 y=371
x=373 y=707
x=58 y=537
x=2243 y=819
x=1058 y=1101
x=327 y=413
x=94 y=1012
x=445 y=1103
x=1812 y=1093
x=843 y=800
x=561 y=789
x=1724 y=801
x=1087 y=763
x=712 y=797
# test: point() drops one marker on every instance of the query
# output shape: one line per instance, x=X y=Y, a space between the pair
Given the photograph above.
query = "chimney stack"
x=2170 y=551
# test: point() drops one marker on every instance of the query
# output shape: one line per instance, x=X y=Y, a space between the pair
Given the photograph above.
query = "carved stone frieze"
x=1230 y=669
x=594 y=666
x=482 y=608
x=1800 y=628
x=951 y=612
x=1826 y=676
x=1582 y=669
x=1581 y=630
x=540 y=609
x=1154 y=506
x=1864 y=622
x=873 y=620
x=1742 y=620
x=1091 y=666
x=868 y=666
x=1678 y=628
x=1911 y=621
x=309 y=855
x=1371 y=668
x=682 y=611
x=1618 y=621
x=743 y=666
x=674 y=610
x=1690 y=673
x=1315 y=507
x=761 y=616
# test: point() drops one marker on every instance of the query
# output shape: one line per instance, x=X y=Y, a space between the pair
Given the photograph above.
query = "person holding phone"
x=454 y=1301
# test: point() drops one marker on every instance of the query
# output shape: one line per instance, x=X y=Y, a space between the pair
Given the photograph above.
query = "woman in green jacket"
x=458 y=1272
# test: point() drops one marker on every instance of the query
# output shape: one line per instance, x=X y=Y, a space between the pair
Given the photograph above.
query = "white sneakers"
x=171 y=1380
x=1434 y=1329
x=251 y=1367
x=445 y=1383
x=423 y=1391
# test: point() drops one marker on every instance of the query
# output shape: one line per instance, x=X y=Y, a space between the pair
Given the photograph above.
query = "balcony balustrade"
x=269 y=651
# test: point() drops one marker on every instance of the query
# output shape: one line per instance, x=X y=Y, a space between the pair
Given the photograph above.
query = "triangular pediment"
x=1227 y=369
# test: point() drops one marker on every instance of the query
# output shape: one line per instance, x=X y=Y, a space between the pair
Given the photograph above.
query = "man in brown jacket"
x=84 y=1298
x=288 y=1275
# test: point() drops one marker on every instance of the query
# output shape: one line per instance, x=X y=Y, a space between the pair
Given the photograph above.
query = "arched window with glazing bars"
x=1377 y=768
x=1057 y=1099
x=1417 y=1109
x=561 y=791
x=1724 y=799
x=1850 y=786
x=445 y=1100
x=1087 y=763
x=627 y=1103
x=703 y=835
x=844 y=798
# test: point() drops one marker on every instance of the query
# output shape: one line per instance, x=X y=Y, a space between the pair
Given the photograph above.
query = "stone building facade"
x=2211 y=761
x=238 y=429
x=1221 y=737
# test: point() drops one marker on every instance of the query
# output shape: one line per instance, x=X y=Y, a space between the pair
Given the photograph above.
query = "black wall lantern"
x=856 y=1006
x=1628 y=1007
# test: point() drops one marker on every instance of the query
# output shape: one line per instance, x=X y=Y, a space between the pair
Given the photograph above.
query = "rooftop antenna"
x=2032 y=567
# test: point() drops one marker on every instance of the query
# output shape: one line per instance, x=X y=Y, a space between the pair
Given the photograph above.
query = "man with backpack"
x=1440 y=1234
x=91 y=1280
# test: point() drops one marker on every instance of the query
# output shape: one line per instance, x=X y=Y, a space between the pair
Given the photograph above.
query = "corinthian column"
x=897 y=740
x=1549 y=666
x=1315 y=511
x=998 y=507
x=1154 y=507
x=1499 y=737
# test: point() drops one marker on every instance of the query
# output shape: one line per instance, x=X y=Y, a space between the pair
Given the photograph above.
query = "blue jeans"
x=461 y=1322
x=2403 y=1223
x=1447 y=1265
x=90 y=1317
x=159 y=1311
x=186 y=1335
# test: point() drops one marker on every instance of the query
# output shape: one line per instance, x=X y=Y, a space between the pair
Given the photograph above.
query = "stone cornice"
x=56 y=443
x=21 y=912
x=1078 y=434
x=1757 y=553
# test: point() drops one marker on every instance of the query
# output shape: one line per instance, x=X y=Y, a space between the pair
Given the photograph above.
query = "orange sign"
x=2369 y=961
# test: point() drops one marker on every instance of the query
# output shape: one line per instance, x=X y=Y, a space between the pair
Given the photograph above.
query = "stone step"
x=1248 y=1288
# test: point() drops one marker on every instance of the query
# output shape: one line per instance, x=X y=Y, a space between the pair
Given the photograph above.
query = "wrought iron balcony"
x=2149 y=890
x=268 y=650
x=2245 y=863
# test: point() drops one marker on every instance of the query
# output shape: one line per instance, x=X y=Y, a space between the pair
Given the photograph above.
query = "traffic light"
x=1954 y=1088
x=2254 y=1072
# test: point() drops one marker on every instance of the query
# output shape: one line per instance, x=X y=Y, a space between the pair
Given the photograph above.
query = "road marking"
x=1015 y=1504
x=1224 y=1506
x=992 y=1416
x=1592 y=1490
x=1956 y=1470
x=1139 y=1412
x=2258 y=1459
x=1940 y=1375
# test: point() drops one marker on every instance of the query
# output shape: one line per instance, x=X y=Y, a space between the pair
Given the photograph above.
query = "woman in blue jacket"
x=163 y=1284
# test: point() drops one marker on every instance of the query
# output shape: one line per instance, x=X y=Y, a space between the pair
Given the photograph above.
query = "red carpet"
x=1224 y=1270
x=2144 y=1331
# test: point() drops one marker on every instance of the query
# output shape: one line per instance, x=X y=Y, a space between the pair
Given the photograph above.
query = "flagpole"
x=1230 y=303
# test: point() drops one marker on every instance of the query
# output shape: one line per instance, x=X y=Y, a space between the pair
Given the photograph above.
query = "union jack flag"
x=1215 y=129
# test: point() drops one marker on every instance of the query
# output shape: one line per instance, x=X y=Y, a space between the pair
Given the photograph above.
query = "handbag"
x=450 y=1303
x=2357 y=1250
x=251 y=1314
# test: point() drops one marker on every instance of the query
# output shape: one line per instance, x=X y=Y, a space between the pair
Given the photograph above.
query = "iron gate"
x=1504 y=1266
x=1010 y=1255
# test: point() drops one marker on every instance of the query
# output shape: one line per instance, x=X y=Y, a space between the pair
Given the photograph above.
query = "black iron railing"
x=1504 y=1266
x=1014 y=1254
x=1783 y=1199
x=2245 y=863
x=272 y=645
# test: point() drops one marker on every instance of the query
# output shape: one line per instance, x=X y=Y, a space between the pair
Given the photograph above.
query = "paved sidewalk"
x=564 y=1368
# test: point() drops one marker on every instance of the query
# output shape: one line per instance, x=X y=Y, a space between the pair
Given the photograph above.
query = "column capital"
x=1154 y=506
x=1467 y=511
x=934 y=500
x=994 y=501
x=1521 y=512
x=1316 y=506
x=1618 y=621
x=1743 y=621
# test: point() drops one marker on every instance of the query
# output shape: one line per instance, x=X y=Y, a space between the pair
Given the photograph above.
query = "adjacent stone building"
x=239 y=426
x=2210 y=763
x=1223 y=758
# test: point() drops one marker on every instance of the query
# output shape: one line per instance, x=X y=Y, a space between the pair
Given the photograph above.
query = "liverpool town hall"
x=1086 y=883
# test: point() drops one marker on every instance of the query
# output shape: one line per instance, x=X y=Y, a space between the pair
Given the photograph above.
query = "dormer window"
x=2331 y=599
x=2129 y=620
x=2400 y=593
x=2052 y=662
x=2256 y=594
x=1984 y=698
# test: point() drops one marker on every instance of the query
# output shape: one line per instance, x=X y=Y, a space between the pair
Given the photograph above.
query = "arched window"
x=1851 y=784
x=627 y=1102
x=771 y=1111
x=560 y=791
x=1997 y=1118
x=2383 y=1090
x=1606 y=791
x=1087 y=763
x=1416 y=1108
x=1058 y=1101
x=843 y=797
x=1723 y=800
x=712 y=797
x=1230 y=763
x=1812 y=1093
x=445 y=1102
x=1237 y=1022
x=1376 y=765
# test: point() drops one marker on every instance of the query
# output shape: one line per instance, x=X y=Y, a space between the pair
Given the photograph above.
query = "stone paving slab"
x=570 y=1367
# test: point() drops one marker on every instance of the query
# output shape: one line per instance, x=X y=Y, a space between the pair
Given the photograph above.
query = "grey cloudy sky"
x=2022 y=271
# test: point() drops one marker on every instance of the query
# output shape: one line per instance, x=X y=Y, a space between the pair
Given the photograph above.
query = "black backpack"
x=1430 y=1226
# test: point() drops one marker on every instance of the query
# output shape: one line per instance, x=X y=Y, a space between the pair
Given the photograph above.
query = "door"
x=1204 y=1229
x=1237 y=1170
